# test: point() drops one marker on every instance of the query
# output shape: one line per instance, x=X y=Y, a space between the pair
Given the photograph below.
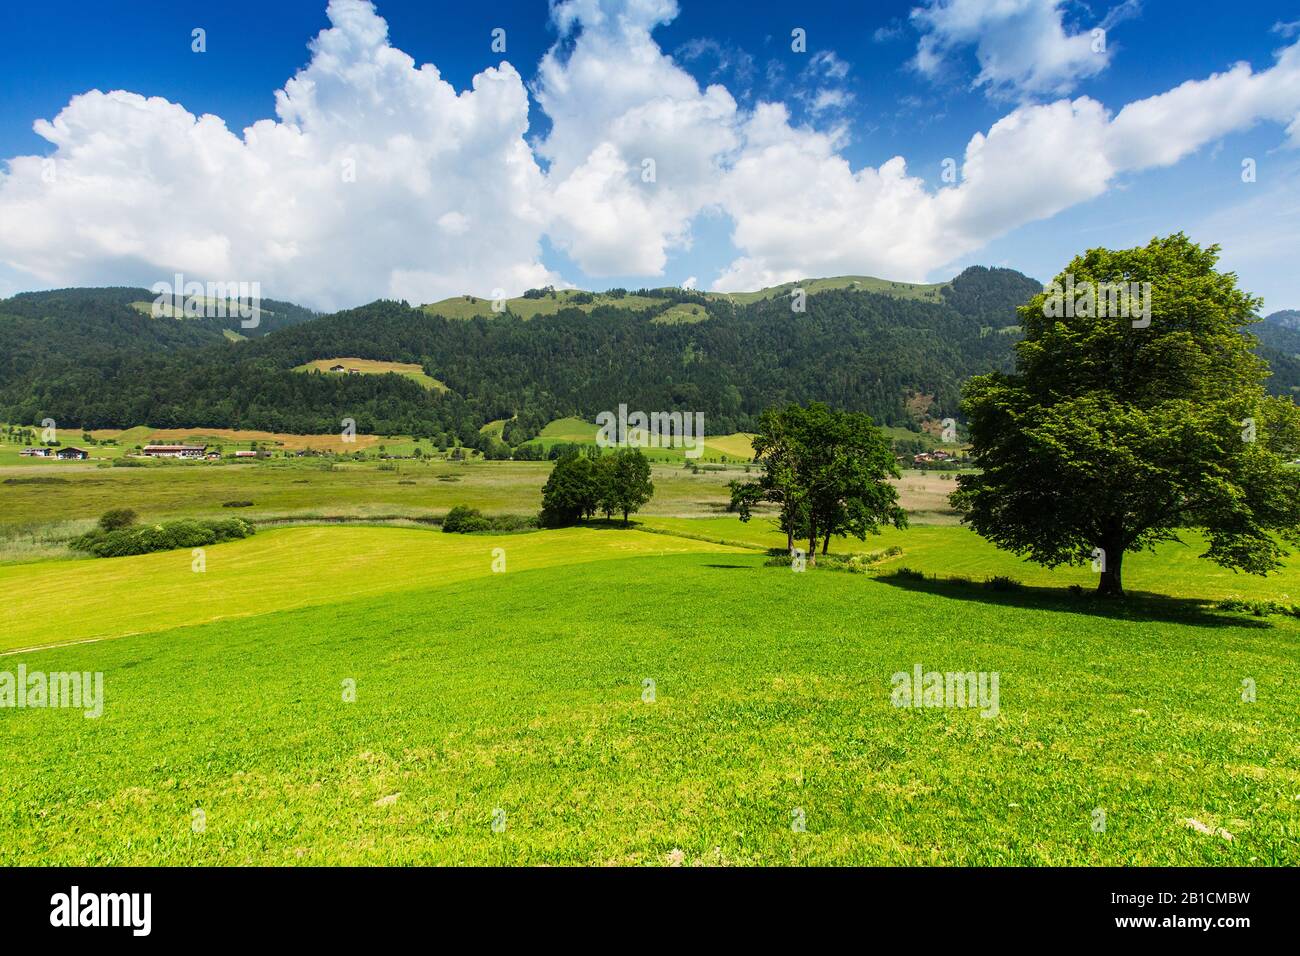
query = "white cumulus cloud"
x=635 y=147
x=377 y=178
x=801 y=210
x=1024 y=47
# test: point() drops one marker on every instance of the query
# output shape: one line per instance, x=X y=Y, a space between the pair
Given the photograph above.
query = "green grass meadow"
x=525 y=692
x=520 y=696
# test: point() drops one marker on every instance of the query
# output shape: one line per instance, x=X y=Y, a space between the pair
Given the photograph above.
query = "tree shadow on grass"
x=1135 y=606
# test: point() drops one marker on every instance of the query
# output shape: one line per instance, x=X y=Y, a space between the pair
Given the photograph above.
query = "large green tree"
x=829 y=472
x=625 y=482
x=572 y=492
x=1117 y=431
x=774 y=448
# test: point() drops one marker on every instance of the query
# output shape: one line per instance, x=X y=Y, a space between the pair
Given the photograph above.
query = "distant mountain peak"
x=1284 y=318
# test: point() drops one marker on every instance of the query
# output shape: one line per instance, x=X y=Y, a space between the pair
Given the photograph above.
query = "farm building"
x=926 y=457
x=40 y=452
x=175 y=451
x=336 y=368
x=245 y=453
x=72 y=454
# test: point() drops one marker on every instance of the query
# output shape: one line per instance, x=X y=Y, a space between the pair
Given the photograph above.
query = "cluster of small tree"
x=529 y=452
x=585 y=483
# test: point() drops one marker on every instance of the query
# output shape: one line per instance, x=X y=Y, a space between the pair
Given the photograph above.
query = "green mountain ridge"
x=686 y=305
x=92 y=358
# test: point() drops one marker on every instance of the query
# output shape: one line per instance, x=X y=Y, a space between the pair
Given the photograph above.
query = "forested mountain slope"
x=90 y=358
x=1279 y=345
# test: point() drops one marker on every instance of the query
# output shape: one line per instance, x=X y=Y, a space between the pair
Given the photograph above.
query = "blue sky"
x=912 y=80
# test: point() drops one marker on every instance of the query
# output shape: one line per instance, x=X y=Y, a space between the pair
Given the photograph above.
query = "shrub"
x=168 y=536
x=117 y=518
x=910 y=574
x=465 y=520
x=1000 y=582
x=230 y=529
x=236 y=504
x=1259 y=608
x=513 y=522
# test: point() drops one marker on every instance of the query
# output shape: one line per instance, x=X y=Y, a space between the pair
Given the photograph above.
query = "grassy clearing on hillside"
x=735 y=449
x=279 y=568
x=469 y=306
x=469 y=702
x=924 y=292
x=684 y=313
x=375 y=367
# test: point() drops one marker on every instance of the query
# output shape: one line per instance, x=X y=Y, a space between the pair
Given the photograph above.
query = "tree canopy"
x=625 y=482
x=827 y=470
x=584 y=482
x=1115 y=432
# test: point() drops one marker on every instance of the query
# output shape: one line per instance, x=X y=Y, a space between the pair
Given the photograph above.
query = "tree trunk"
x=625 y=517
x=826 y=543
x=1112 y=581
x=789 y=525
x=812 y=544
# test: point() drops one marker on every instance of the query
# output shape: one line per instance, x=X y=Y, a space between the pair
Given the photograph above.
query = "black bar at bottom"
x=335 y=905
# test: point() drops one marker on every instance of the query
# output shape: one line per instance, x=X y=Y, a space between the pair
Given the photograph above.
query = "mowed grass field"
x=735 y=448
x=32 y=499
x=522 y=698
x=409 y=370
x=280 y=568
